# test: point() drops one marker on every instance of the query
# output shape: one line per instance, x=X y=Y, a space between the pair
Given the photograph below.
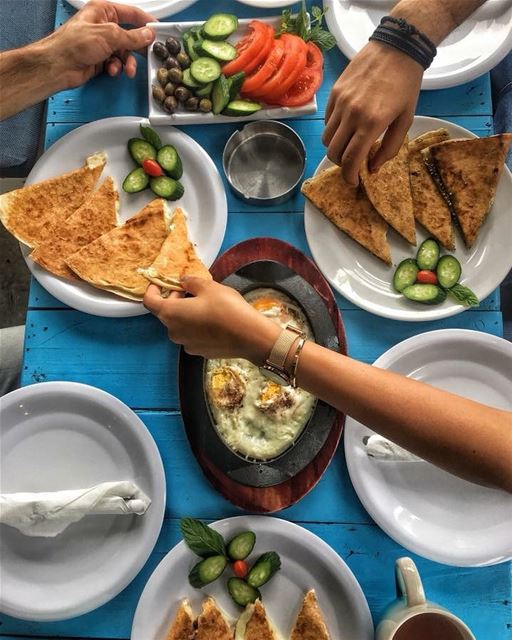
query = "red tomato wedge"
x=308 y=83
x=291 y=67
x=269 y=67
x=252 y=50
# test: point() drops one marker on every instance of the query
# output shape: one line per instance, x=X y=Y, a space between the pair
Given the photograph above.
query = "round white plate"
x=474 y=48
x=204 y=200
x=423 y=508
x=307 y=563
x=366 y=281
x=268 y=4
x=156 y=8
x=64 y=435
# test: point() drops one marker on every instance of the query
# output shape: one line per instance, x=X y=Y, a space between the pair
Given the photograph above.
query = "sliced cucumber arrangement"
x=431 y=277
x=264 y=568
x=241 y=108
x=141 y=150
x=205 y=70
x=222 y=51
x=190 y=82
x=137 y=180
x=206 y=571
x=241 y=545
x=167 y=188
x=220 y=94
x=220 y=26
x=168 y=158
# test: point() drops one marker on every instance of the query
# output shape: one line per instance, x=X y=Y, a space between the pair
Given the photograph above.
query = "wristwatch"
x=274 y=368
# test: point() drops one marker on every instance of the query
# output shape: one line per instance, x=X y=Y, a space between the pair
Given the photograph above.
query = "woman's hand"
x=216 y=323
x=377 y=92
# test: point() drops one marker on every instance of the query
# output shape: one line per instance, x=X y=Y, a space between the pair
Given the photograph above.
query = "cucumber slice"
x=428 y=254
x=222 y=51
x=425 y=293
x=141 y=150
x=204 y=91
x=207 y=571
x=205 y=70
x=241 y=593
x=405 y=274
x=189 y=81
x=137 y=180
x=241 y=108
x=219 y=26
x=235 y=84
x=220 y=94
x=188 y=44
x=263 y=569
x=167 y=188
x=241 y=545
x=448 y=271
x=170 y=161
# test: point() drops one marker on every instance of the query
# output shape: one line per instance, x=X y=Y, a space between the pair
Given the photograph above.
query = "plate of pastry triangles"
x=96 y=246
x=312 y=595
x=446 y=184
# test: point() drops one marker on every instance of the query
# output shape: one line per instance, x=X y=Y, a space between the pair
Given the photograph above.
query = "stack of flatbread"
x=433 y=180
x=74 y=233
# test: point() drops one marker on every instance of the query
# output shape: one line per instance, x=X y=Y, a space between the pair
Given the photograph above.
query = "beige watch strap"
x=282 y=346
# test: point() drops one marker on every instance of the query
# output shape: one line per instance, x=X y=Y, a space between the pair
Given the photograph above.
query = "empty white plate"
x=472 y=49
x=427 y=510
x=64 y=435
x=156 y=8
x=307 y=563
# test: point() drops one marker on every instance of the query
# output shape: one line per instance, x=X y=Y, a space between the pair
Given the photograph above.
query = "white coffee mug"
x=413 y=617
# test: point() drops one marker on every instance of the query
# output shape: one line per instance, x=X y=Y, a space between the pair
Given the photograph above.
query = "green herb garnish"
x=202 y=539
x=151 y=136
x=309 y=29
x=464 y=295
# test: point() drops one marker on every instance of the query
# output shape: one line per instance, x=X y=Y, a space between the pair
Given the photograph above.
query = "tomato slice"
x=308 y=83
x=252 y=50
x=269 y=67
x=292 y=65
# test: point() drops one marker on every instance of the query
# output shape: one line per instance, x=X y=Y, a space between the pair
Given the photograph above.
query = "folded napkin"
x=383 y=449
x=47 y=514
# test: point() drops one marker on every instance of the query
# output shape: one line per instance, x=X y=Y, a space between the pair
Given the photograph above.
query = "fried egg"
x=255 y=417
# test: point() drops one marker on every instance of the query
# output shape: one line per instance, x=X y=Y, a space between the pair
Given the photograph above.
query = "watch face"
x=274 y=376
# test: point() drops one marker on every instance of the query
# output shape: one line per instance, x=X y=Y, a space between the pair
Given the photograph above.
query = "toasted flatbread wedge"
x=253 y=624
x=176 y=259
x=430 y=208
x=389 y=190
x=310 y=624
x=470 y=170
x=211 y=624
x=111 y=261
x=350 y=210
x=182 y=627
x=95 y=217
x=30 y=213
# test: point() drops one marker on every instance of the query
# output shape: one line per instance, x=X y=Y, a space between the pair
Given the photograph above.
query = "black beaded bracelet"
x=410 y=29
x=406 y=38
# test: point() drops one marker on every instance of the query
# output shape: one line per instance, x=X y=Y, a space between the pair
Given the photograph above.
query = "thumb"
x=195 y=286
x=131 y=39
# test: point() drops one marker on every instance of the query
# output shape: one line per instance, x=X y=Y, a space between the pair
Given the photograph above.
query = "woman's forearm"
x=466 y=438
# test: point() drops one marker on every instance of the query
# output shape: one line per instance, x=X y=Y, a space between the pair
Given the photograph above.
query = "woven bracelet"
x=398 y=40
x=410 y=29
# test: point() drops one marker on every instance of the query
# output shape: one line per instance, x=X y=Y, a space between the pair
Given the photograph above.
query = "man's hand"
x=376 y=93
x=216 y=323
x=93 y=39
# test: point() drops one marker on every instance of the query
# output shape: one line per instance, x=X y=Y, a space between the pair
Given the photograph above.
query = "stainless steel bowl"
x=264 y=162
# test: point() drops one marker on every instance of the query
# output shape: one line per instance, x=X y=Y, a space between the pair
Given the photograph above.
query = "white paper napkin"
x=383 y=449
x=47 y=514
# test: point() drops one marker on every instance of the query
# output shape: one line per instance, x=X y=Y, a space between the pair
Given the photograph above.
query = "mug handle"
x=408 y=582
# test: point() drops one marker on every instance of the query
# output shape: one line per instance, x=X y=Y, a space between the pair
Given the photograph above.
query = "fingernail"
x=148 y=35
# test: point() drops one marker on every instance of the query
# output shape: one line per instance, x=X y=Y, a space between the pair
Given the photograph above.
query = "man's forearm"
x=27 y=76
x=436 y=18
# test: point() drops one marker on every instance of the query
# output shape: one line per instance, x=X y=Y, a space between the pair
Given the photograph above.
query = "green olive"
x=172 y=63
x=170 y=104
x=170 y=89
x=205 y=105
x=162 y=75
x=173 y=45
x=158 y=93
x=175 y=75
x=183 y=59
x=182 y=94
x=160 y=51
x=192 y=104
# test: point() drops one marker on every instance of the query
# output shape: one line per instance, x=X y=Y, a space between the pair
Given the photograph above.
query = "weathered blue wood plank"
x=479 y=596
x=132 y=358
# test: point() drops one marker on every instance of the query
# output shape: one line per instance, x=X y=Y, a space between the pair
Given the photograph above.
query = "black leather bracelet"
x=410 y=29
x=404 y=43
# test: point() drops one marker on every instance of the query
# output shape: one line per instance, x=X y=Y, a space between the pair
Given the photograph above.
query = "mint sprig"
x=308 y=28
x=464 y=295
x=202 y=539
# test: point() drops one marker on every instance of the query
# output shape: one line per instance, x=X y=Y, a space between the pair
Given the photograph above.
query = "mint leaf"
x=464 y=295
x=317 y=13
x=151 y=136
x=202 y=539
x=308 y=30
x=322 y=38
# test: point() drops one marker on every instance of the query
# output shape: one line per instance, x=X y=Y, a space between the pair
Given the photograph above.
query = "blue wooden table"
x=139 y=367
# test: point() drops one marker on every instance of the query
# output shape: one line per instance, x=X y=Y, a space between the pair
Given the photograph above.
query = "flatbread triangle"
x=211 y=624
x=389 y=191
x=254 y=624
x=182 y=627
x=30 y=213
x=310 y=623
x=470 y=170
x=177 y=257
x=95 y=217
x=350 y=210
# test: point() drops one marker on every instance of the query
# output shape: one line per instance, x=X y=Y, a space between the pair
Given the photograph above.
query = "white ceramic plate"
x=474 y=48
x=268 y=4
x=423 y=508
x=156 y=8
x=204 y=200
x=64 y=435
x=366 y=281
x=307 y=563
x=159 y=117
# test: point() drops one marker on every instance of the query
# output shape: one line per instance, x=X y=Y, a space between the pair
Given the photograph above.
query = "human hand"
x=216 y=323
x=377 y=92
x=92 y=40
